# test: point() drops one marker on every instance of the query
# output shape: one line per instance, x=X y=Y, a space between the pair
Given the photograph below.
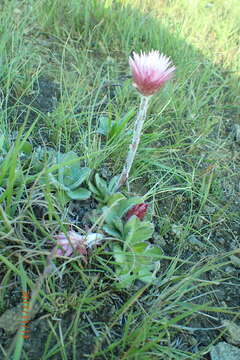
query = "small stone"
x=236 y=132
x=177 y=230
x=225 y=351
x=229 y=269
x=210 y=209
x=221 y=240
x=209 y=5
x=235 y=261
x=106 y=173
x=158 y=239
x=221 y=294
x=17 y=11
x=10 y=320
x=110 y=60
x=192 y=340
x=193 y=240
x=233 y=331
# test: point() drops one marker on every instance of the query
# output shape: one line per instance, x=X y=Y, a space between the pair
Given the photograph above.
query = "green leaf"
x=104 y=126
x=125 y=281
x=126 y=204
x=109 y=215
x=137 y=231
x=139 y=247
x=94 y=189
x=66 y=163
x=62 y=197
x=79 y=194
x=113 y=183
x=111 y=231
x=50 y=178
x=118 y=224
x=119 y=255
x=101 y=185
x=115 y=198
x=154 y=252
x=2 y=140
x=83 y=174
x=27 y=148
x=103 y=191
x=120 y=208
x=146 y=275
x=119 y=125
x=70 y=176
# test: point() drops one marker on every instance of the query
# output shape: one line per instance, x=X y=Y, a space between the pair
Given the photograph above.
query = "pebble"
x=177 y=230
x=193 y=240
x=233 y=332
x=225 y=351
x=210 y=209
x=235 y=261
x=229 y=269
x=236 y=132
x=10 y=320
x=221 y=240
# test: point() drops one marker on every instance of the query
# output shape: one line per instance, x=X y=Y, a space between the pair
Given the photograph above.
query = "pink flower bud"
x=69 y=242
x=150 y=71
x=137 y=210
x=66 y=244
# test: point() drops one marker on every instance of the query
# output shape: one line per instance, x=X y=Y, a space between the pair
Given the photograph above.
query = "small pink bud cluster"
x=137 y=210
x=67 y=243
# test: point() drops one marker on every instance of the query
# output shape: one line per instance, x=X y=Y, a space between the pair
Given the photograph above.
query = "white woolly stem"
x=135 y=141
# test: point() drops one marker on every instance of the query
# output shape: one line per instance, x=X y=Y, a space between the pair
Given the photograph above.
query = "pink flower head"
x=137 y=210
x=66 y=244
x=150 y=71
x=70 y=242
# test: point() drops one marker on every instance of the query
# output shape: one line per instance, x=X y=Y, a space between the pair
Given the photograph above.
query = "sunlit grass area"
x=65 y=86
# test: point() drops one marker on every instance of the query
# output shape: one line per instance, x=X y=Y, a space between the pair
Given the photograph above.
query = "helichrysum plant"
x=110 y=128
x=134 y=257
x=102 y=191
x=150 y=72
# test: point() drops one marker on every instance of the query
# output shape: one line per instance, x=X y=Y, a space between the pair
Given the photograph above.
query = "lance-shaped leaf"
x=136 y=230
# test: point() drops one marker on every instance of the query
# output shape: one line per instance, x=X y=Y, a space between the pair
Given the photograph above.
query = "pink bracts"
x=150 y=71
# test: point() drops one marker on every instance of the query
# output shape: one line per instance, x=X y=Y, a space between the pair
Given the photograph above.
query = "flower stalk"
x=141 y=116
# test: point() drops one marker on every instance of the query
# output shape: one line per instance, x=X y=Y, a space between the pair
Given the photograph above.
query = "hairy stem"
x=135 y=141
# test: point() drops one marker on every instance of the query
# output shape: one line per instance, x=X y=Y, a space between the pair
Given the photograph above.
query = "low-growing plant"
x=135 y=258
x=6 y=142
x=102 y=191
x=110 y=128
x=11 y=148
x=68 y=175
